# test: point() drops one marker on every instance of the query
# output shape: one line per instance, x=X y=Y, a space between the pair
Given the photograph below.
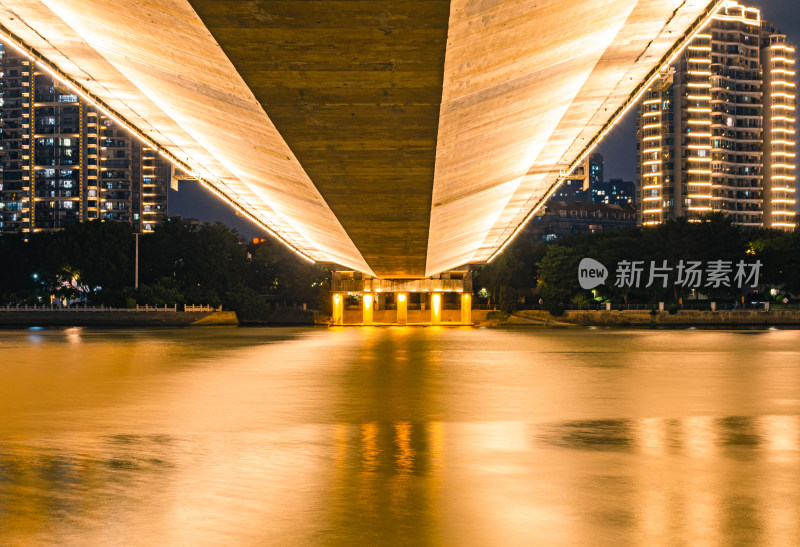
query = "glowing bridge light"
x=268 y=171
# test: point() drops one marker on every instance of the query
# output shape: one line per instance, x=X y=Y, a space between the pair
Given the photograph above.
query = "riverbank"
x=682 y=318
x=46 y=317
x=481 y=318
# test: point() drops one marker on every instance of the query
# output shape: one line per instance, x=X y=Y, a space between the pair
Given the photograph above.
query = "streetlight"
x=136 y=262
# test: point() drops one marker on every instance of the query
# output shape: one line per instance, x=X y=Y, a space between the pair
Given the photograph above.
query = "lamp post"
x=136 y=262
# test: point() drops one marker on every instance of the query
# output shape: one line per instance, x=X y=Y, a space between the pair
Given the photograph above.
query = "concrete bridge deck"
x=397 y=138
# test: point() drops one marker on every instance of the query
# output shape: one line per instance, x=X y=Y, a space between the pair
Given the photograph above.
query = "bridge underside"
x=399 y=138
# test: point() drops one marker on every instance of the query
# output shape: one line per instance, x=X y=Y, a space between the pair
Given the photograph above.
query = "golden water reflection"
x=399 y=437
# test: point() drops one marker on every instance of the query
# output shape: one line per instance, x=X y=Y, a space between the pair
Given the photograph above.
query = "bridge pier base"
x=362 y=300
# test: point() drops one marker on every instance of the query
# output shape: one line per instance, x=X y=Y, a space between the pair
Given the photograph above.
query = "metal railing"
x=189 y=307
x=85 y=308
x=67 y=309
x=690 y=306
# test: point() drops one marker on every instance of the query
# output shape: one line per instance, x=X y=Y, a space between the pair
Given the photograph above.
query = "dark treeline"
x=527 y=273
x=93 y=262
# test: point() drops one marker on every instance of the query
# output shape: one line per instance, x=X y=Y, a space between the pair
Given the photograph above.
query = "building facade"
x=560 y=219
x=63 y=161
x=716 y=132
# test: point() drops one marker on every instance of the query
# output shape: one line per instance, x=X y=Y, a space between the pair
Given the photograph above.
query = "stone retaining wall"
x=681 y=318
x=82 y=318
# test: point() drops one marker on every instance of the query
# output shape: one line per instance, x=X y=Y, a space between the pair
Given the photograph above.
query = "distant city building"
x=593 y=165
x=572 y=190
x=614 y=192
x=716 y=132
x=194 y=224
x=586 y=185
x=578 y=186
x=63 y=161
x=561 y=219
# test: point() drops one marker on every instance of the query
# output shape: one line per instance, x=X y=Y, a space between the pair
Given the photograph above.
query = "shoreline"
x=521 y=319
x=114 y=318
x=643 y=318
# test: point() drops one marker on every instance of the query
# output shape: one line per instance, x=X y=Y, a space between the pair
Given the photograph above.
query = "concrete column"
x=466 y=308
x=338 y=309
x=366 y=301
x=402 y=308
x=436 y=308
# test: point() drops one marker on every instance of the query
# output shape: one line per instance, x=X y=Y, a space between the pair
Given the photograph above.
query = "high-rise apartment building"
x=63 y=161
x=716 y=132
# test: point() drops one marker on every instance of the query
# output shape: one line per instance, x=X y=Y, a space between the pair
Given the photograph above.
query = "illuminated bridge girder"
x=399 y=138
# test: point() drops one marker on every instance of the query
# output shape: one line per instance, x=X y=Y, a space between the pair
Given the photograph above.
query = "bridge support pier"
x=402 y=308
x=367 y=307
x=337 y=317
x=436 y=308
x=466 y=308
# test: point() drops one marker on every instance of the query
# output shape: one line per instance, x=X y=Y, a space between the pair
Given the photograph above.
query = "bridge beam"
x=397 y=138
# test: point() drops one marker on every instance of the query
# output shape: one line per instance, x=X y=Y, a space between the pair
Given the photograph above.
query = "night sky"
x=194 y=201
x=618 y=148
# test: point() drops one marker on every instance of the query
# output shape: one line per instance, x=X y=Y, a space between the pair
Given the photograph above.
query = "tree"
x=511 y=277
x=558 y=278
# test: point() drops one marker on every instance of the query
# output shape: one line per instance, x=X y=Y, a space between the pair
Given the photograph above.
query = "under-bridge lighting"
x=235 y=140
x=120 y=121
x=634 y=98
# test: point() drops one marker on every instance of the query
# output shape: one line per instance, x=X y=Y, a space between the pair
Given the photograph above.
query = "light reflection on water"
x=399 y=436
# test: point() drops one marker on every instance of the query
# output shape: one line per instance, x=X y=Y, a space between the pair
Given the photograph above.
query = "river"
x=399 y=436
